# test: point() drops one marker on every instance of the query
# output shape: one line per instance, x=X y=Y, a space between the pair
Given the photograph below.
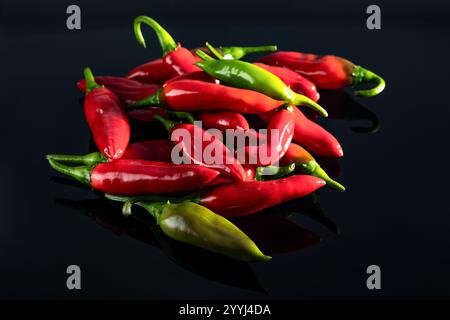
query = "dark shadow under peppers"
x=106 y=118
x=327 y=71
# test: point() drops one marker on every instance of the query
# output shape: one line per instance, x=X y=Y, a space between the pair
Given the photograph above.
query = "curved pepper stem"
x=166 y=41
x=273 y=172
x=152 y=100
x=236 y=53
x=362 y=75
x=87 y=159
x=81 y=174
x=313 y=168
x=90 y=80
x=299 y=99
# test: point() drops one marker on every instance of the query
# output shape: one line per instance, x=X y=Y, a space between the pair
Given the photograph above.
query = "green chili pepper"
x=236 y=53
x=196 y=225
x=246 y=75
x=273 y=172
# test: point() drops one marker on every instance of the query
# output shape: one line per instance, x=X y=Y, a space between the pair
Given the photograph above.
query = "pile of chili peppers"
x=191 y=200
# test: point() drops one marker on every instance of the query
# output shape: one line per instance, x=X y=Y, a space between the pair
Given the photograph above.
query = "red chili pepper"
x=243 y=198
x=294 y=80
x=280 y=131
x=128 y=91
x=197 y=75
x=138 y=177
x=155 y=71
x=223 y=120
x=194 y=95
x=106 y=118
x=306 y=164
x=192 y=141
x=327 y=72
x=179 y=59
x=311 y=135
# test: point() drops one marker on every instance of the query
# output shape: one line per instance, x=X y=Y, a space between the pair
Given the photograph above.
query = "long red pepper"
x=243 y=198
x=306 y=164
x=178 y=58
x=194 y=95
x=328 y=71
x=128 y=91
x=294 y=80
x=106 y=118
x=280 y=131
x=138 y=177
x=311 y=135
x=196 y=75
x=193 y=150
x=155 y=71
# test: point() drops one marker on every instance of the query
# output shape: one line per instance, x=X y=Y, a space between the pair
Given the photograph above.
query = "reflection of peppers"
x=246 y=75
x=155 y=71
x=308 y=165
x=236 y=53
x=180 y=59
x=194 y=95
x=198 y=226
x=327 y=72
x=129 y=177
x=106 y=118
x=234 y=200
x=311 y=135
x=227 y=165
x=282 y=122
x=294 y=80
x=128 y=91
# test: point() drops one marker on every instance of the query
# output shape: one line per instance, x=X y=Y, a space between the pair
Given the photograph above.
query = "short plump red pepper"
x=280 y=132
x=194 y=95
x=176 y=57
x=311 y=135
x=155 y=71
x=128 y=91
x=139 y=177
x=328 y=71
x=192 y=141
x=295 y=81
x=106 y=118
x=244 y=198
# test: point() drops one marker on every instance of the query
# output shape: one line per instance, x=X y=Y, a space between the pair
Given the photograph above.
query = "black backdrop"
x=394 y=213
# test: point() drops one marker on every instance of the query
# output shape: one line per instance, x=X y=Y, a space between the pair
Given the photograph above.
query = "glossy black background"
x=394 y=214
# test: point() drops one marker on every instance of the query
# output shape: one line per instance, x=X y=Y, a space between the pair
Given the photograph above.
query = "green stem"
x=362 y=75
x=87 y=159
x=149 y=199
x=237 y=53
x=90 y=80
x=214 y=51
x=273 y=172
x=299 y=99
x=81 y=174
x=166 y=41
x=168 y=124
x=313 y=168
x=153 y=100
x=203 y=55
x=189 y=117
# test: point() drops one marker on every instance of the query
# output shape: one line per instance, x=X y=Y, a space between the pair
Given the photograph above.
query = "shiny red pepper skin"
x=134 y=177
x=155 y=71
x=153 y=150
x=311 y=135
x=228 y=167
x=294 y=80
x=283 y=123
x=197 y=75
x=108 y=122
x=128 y=91
x=181 y=61
x=194 y=95
x=223 y=120
x=233 y=199
x=327 y=72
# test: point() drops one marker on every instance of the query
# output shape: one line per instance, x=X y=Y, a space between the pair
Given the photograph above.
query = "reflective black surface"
x=394 y=213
